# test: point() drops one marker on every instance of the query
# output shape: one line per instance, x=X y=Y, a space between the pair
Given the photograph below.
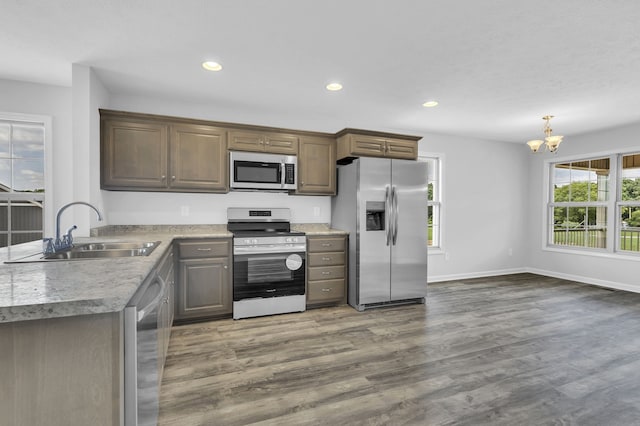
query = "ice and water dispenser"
x=375 y=216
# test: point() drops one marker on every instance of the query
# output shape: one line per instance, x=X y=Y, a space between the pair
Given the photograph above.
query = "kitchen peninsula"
x=61 y=326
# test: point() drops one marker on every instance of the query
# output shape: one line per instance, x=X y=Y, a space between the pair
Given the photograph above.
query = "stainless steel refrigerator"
x=383 y=205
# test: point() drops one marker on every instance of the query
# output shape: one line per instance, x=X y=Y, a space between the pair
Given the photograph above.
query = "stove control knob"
x=255 y=241
x=247 y=241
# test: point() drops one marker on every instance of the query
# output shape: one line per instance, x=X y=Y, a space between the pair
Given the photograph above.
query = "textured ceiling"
x=495 y=66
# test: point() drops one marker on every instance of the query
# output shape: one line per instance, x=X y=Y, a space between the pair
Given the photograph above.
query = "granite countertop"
x=41 y=290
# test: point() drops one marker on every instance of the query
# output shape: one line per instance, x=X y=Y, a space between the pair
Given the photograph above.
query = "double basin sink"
x=103 y=250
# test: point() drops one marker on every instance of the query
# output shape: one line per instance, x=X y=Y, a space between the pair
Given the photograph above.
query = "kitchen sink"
x=102 y=250
x=116 y=246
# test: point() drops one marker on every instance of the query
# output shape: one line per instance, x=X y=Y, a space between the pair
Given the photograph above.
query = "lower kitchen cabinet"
x=326 y=270
x=204 y=279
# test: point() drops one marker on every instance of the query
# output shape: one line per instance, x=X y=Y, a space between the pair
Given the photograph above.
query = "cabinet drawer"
x=326 y=259
x=325 y=244
x=324 y=291
x=326 y=272
x=198 y=249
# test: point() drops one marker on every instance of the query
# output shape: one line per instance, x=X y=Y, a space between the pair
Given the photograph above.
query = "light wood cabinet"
x=205 y=286
x=271 y=142
x=353 y=143
x=326 y=270
x=198 y=158
x=139 y=153
x=133 y=154
x=317 y=166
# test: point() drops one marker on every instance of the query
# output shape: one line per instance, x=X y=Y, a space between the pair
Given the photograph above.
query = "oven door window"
x=256 y=172
x=268 y=275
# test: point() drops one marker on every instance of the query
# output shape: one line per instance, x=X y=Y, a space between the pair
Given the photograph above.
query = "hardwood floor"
x=511 y=350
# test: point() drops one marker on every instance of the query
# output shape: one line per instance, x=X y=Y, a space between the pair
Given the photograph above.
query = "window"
x=434 y=201
x=21 y=181
x=579 y=205
x=595 y=204
x=629 y=203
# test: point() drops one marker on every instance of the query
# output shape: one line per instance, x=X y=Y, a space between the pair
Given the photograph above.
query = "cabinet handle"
x=204 y=249
x=326 y=259
x=268 y=143
x=173 y=178
x=273 y=290
x=326 y=244
x=326 y=272
x=326 y=290
x=226 y=267
x=302 y=183
x=163 y=177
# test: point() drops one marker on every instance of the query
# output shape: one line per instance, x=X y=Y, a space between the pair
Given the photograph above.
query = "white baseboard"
x=586 y=280
x=440 y=278
x=577 y=278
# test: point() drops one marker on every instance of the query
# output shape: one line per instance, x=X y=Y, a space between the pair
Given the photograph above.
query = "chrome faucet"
x=50 y=245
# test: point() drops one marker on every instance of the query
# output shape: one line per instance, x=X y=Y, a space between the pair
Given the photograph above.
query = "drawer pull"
x=326 y=290
x=272 y=290
x=326 y=244
x=326 y=259
x=326 y=272
x=204 y=249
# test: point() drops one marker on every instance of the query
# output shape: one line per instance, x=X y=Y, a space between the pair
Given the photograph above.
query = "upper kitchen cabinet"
x=353 y=143
x=276 y=143
x=133 y=154
x=317 y=166
x=198 y=158
x=149 y=153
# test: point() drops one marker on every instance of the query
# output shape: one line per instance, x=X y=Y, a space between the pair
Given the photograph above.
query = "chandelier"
x=550 y=142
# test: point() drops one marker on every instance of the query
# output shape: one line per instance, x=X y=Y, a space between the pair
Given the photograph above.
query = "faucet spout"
x=63 y=208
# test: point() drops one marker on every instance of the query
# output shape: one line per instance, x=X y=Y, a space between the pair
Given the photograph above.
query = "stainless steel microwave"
x=253 y=170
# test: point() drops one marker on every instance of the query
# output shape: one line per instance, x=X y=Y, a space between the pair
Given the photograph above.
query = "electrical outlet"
x=510 y=251
x=446 y=256
x=316 y=212
x=184 y=211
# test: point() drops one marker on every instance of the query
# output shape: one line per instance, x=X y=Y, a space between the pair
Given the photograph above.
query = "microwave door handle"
x=283 y=174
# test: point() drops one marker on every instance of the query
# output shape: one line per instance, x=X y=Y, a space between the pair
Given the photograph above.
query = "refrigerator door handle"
x=394 y=206
x=387 y=213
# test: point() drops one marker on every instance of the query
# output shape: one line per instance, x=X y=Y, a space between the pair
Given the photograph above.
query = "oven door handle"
x=241 y=250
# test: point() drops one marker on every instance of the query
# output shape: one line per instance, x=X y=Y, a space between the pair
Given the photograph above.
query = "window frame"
x=613 y=205
x=46 y=122
x=438 y=202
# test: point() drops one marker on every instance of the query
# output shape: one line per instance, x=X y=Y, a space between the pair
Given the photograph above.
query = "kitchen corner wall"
x=608 y=271
x=484 y=216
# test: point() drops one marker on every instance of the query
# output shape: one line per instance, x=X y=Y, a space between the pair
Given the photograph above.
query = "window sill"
x=587 y=252
x=434 y=251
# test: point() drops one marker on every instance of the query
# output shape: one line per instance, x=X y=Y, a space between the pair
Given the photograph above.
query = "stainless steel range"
x=268 y=262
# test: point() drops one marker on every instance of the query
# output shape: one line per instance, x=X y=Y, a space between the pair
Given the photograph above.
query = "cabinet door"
x=204 y=288
x=370 y=146
x=134 y=154
x=317 y=166
x=246 y=141
x=281 y=143
x=402 y=149
x=198 y=158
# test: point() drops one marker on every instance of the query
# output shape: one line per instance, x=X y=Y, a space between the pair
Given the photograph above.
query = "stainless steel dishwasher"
x=141 y=353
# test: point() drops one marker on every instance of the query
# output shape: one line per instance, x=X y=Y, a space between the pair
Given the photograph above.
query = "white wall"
x=55 y=102
x=611 y=271
x=484 y=207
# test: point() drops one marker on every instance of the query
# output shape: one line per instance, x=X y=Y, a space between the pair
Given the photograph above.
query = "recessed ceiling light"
x=430 y=104
x=334 y=87
x=211 y=66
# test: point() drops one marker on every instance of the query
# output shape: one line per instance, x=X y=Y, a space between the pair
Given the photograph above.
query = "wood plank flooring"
x=511 y=350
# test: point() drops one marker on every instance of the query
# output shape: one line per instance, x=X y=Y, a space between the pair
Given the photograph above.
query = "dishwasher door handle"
x=143 y=312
